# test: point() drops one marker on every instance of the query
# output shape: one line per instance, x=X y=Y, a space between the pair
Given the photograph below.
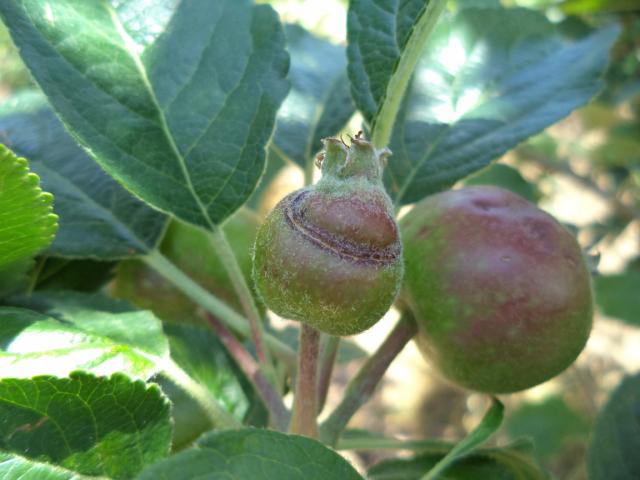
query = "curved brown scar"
x=351 y=251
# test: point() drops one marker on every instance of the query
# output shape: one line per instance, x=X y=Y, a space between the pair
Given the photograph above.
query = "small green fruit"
x=499 y=289
x=329 y=255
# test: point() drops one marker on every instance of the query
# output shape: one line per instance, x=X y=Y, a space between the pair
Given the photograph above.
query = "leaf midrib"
x=445 y=131
x=163 y=120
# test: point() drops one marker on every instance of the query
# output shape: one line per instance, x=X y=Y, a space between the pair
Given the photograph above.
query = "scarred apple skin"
x=330 y=255
x=499 y=289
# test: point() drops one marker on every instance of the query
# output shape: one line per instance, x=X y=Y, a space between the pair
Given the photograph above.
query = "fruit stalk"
x=305 y=408
x=328 y=352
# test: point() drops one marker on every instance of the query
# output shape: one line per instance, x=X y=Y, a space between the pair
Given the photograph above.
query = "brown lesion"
x=361 y=252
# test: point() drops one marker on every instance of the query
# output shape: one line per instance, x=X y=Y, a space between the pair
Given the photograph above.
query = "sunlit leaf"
x=71 y=331
x=15 y=467
x=379 y=34
x=489 y=79
x=92 y=425
x=28 y=224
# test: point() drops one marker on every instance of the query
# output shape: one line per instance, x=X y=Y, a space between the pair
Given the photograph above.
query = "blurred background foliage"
x=586 y=171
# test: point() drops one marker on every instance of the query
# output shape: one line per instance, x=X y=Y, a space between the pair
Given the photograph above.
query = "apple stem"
x=328 y=351
x=305 y=411
x=363 y=385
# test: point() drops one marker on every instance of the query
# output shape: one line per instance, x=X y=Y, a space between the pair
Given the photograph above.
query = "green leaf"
x=505 y=176
x=93 y=425
x=319 y=103
x=15 y=467
x=71 y=331
x=385 y=38
x=144 y=20
x=489 y=79
x=27 y=219
x=253 y=454
x=578 y=7
x=513 y=462
x=613 y=453
x=617 y=296
x=82 y=275
x=98 y=217
x=184 y=123
x=551 y=425
x=489 y=424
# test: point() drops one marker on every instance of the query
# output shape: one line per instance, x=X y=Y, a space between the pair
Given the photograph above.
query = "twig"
x=278 y=412
x=215 y=306
x=305 y=410
x=230 y=262
x=328 y=351
x=363 y=385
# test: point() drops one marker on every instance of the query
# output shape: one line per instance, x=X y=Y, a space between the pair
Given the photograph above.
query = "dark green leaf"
x=550 y=424
x=185 y=123
x=489 y=79
x=253 y=454
x=613 y=454
x=79 y=331
x=378 y=33
x=92 y=425
x=489 y=424
x=98 y=217
x=26 y=218
x=319 y=103
x=508 y=463
x=619 y=296
x=82 y=275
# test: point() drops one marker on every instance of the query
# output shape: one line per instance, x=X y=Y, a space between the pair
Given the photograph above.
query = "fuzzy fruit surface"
x=329 y=255
x=499 y=289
